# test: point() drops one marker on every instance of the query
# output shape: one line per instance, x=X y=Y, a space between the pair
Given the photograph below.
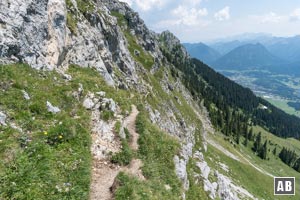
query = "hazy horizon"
x=207 y=20
x=242 y=37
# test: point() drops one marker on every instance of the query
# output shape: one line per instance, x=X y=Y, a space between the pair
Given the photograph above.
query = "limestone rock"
x=98 y=43
x=88 y=103
x=104 y=139
x=3 y=118
x=205 y=169
x=110 y=104
x=67 y=77
x=25 y=95
x=180 y=169
x=51 y=108
x=101 y=94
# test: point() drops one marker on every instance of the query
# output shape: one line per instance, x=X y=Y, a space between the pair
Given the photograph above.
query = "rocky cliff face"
x=38 y=33
x=54 y=34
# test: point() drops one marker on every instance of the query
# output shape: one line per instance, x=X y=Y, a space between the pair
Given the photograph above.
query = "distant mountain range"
x=202 y=52
x=248 y=51
x=286 y=48
x=248 y=56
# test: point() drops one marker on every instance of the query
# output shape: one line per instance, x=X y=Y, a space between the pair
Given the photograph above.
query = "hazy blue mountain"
x=245 y=37
x=226 y=47
x=248 y=56
x=202 y=52
x=285 y=48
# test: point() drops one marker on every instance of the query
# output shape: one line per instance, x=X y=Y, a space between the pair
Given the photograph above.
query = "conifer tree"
x=257 y=143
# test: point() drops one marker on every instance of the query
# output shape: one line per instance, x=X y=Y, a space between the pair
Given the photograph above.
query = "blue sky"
x=205 y=20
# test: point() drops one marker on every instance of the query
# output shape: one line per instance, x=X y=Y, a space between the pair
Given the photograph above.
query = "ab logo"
x=284 y=185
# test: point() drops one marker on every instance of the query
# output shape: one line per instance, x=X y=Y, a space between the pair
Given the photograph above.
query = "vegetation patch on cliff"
x=156 y=150
x=135 y=49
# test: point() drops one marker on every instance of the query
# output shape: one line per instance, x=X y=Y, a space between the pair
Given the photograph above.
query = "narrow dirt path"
x=135 y=164
x=103 y=176
x=130 y=125
x=104 y=173
x=222 y=149
x=254 y=166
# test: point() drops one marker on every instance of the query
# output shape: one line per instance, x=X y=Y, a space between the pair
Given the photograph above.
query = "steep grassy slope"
x=45 y=155
x=48 y=155
x=251 y=172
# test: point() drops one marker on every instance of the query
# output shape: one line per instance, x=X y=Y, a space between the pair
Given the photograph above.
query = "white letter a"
x=280 y=187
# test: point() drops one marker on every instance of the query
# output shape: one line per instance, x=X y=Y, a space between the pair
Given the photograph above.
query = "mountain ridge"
x=202 y=52
x=93 y=60
x=286 y=48
x=246 y=57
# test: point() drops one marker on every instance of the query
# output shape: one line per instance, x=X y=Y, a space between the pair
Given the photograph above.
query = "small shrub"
x=128 y=136
x=85 y=6
x=117 y=127
x=72 y=23
x=107 y=115
x=37 y=108
x=60 y=133
x=125 y=156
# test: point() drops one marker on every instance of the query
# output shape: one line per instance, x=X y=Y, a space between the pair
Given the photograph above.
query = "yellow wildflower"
x=45 y=133
x=60 y=137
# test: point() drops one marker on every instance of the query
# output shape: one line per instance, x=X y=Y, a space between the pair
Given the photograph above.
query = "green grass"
x=51 y=158
x=94 y=82
x=156 y=150
x=72 y=23
x=159 y=98
x=243 y=174
x=283 y=104
x=85 y=6
x=290 y=143
x=196 y=190
x=144 y=58
x=107 y=115
x=125 y=156
x=117 y=128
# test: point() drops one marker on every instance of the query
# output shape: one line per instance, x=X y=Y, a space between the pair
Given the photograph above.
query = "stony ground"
x=104 y=172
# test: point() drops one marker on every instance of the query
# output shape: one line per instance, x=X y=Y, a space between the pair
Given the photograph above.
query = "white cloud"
x=270 y=18
x=189 y=16
x=223 y=14
x=146 y=5
x=192 y=3
x=295 y=16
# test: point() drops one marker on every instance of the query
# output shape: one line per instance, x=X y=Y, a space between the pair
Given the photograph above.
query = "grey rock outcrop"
x=209 y=186
x=224 y=188
x=170 y=41
x=3 y=118
x=104 y=139
x=180 y=169
x=51 y=108
x=25 y=95
x=98 y=101
x=37 y=33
